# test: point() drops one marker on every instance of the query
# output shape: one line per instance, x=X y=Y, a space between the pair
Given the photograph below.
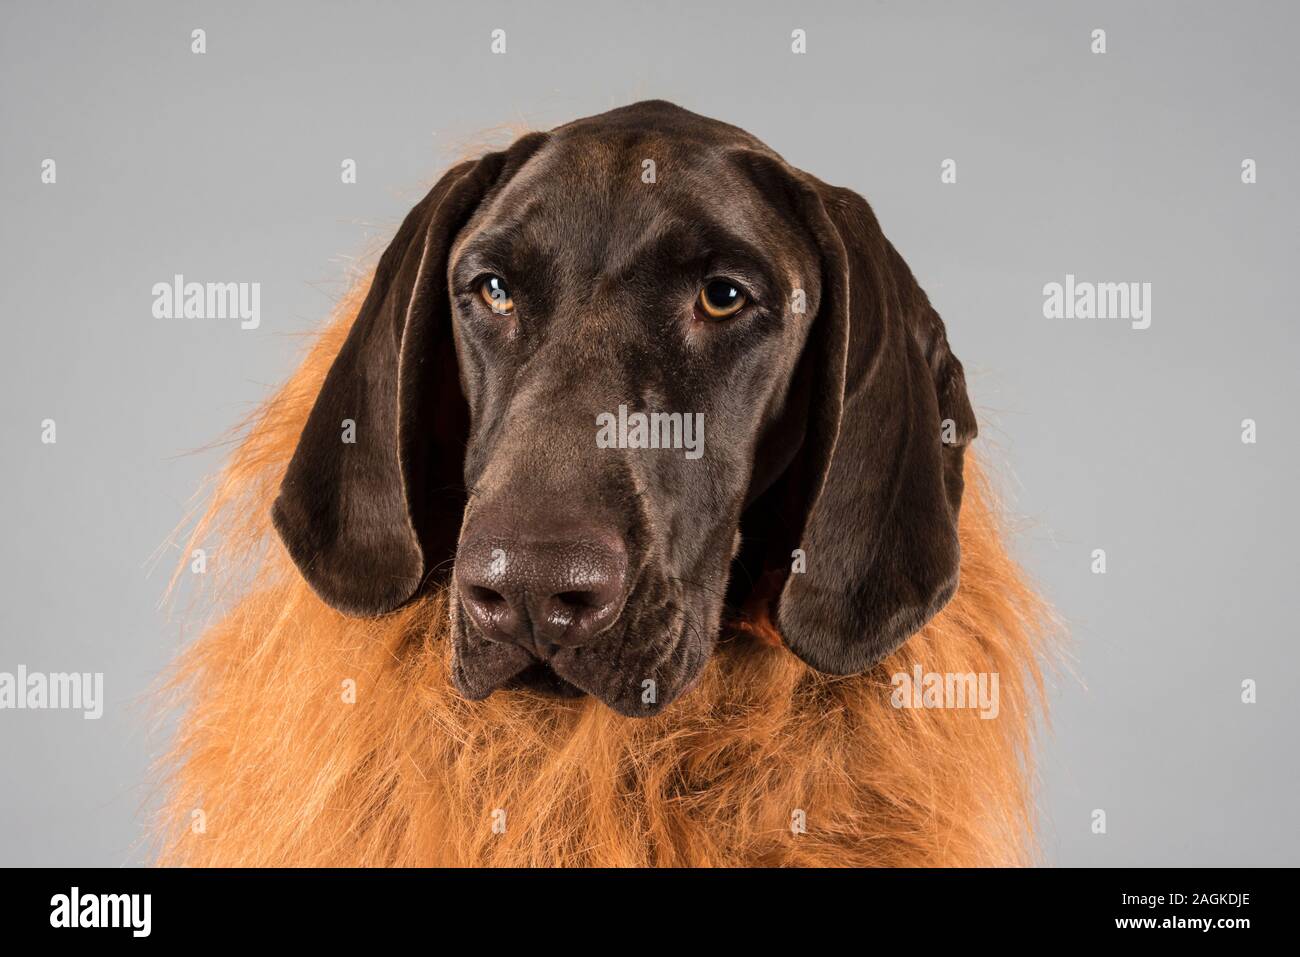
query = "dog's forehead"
x=610 y=185
x=647 y=144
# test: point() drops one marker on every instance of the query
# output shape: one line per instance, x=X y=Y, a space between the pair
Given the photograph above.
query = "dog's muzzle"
x=543 y=590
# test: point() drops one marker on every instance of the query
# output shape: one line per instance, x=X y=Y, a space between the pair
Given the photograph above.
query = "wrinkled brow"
x=688 y=250
x=698 y=250
x=488 y=252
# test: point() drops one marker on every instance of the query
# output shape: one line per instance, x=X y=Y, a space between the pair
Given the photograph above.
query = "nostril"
x=580 y=599
x=485 y=596
x=559 y=588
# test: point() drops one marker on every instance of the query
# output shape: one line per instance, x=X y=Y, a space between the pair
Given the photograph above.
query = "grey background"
x=1119 y=167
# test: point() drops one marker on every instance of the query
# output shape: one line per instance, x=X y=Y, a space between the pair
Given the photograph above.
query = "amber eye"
x=496 y=295
x=721 y=299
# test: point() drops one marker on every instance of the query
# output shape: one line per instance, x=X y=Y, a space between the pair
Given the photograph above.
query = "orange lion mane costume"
x=308 y=738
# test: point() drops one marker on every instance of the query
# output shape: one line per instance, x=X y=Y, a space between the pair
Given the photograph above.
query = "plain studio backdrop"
x=1123 y=166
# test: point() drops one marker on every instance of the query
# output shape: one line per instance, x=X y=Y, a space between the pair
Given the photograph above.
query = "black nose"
x=543 y=591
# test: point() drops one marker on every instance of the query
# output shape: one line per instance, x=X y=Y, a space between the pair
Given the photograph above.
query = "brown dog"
x=794 y=466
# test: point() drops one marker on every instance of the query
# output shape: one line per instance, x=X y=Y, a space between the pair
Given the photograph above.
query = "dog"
x=613 y=504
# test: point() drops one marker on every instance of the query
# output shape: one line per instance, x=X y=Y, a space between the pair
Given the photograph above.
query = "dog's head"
x=610 y=380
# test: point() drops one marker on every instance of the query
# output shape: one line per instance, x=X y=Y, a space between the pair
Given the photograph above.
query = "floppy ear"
x=880 y=471
x=365 y=501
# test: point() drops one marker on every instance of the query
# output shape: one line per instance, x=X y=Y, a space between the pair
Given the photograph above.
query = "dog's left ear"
x=881 y=464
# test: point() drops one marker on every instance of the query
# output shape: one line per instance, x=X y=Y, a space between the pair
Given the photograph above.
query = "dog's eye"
x=721 y=299
x=496 y=295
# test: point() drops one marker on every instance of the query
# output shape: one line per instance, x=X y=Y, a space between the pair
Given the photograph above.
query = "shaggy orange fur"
x=287 y=772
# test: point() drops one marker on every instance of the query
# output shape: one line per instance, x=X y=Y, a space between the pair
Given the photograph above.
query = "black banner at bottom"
x=332 y=906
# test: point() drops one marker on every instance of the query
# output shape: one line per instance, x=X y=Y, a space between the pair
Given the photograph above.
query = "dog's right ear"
x=372 y=494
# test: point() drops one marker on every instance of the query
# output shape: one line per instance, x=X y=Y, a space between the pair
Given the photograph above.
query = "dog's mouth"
x=543 y=679
x=634 y=676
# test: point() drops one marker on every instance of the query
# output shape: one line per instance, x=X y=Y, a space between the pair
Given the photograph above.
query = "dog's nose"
x=543 y=593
